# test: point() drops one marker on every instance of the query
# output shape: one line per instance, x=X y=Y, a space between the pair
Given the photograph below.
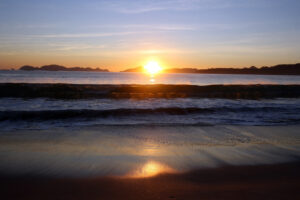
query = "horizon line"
x=128 y=68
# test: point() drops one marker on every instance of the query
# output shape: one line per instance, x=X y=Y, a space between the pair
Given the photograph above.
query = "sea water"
x=140 y=78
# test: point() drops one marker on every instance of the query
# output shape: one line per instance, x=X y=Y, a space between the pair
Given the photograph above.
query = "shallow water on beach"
x=42 y=113
x=143 y=151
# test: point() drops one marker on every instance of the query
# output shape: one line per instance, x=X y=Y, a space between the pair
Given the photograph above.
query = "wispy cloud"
x=137 y=7
x=143 y=29
x=163 y=27
x=150 y=6
x=163 y=51
x=84 y=35
x=74 y=47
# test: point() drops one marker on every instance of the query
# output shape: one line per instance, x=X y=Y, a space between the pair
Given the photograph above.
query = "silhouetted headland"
x=61 y=68
x=282 y=69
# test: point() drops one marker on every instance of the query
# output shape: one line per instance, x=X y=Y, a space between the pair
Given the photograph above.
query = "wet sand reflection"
x=144 y=151
x=149 y=169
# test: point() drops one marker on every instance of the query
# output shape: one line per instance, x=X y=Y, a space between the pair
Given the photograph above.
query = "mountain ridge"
x=54 y=67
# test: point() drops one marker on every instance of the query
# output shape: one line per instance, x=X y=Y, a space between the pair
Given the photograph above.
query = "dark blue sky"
x=120 y=33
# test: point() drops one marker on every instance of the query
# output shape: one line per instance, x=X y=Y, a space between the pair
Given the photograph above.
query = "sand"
x=281 y=181
x=151 y=162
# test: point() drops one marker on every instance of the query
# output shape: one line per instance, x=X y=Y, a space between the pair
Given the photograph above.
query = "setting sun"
x=152 y=67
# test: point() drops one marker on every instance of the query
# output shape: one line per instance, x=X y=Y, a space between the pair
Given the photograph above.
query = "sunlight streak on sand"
x=151 y=168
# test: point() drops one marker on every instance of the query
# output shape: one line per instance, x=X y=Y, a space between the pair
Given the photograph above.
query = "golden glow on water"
x=152 y=67
x=151 y=168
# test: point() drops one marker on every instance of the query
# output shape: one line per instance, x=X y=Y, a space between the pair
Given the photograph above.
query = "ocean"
x=140 y=78
x=43 y=112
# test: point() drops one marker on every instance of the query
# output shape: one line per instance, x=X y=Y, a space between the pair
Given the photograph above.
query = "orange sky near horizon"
x=121 y=34
x=120 y=64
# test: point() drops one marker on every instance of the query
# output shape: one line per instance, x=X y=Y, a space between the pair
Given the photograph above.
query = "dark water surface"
x=140 y=78
x=43 y=113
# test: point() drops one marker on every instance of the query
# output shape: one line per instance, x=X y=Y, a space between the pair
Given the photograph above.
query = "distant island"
x=282 y=69
x=61 y=68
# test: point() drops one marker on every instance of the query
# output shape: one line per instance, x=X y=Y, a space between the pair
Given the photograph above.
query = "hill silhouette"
x=60 y=68
x=136 y=69
x=282 y=69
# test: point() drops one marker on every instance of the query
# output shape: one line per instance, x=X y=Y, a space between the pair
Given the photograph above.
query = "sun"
x=152 y=67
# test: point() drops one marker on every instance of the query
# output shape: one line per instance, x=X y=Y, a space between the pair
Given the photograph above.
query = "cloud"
x=163 y=51
x=72 y=47
x=136 y=7
x=144 y=29
x=84 y=35
x=150 y=27
x=139 y=6
x=163 y=27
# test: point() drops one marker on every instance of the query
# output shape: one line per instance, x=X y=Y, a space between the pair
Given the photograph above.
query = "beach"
x=151 y=162
x=279 y=181
x=144 y=100
x=72 y=140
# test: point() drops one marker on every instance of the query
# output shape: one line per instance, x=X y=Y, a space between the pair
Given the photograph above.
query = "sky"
x=120 y=34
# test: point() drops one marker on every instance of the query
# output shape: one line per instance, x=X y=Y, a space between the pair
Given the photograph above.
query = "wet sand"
x=151 y=162
x=281 y=181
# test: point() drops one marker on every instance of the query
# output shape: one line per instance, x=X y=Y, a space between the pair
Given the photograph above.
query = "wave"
x=89 y=114
x=73 y=91
x=85 y=113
